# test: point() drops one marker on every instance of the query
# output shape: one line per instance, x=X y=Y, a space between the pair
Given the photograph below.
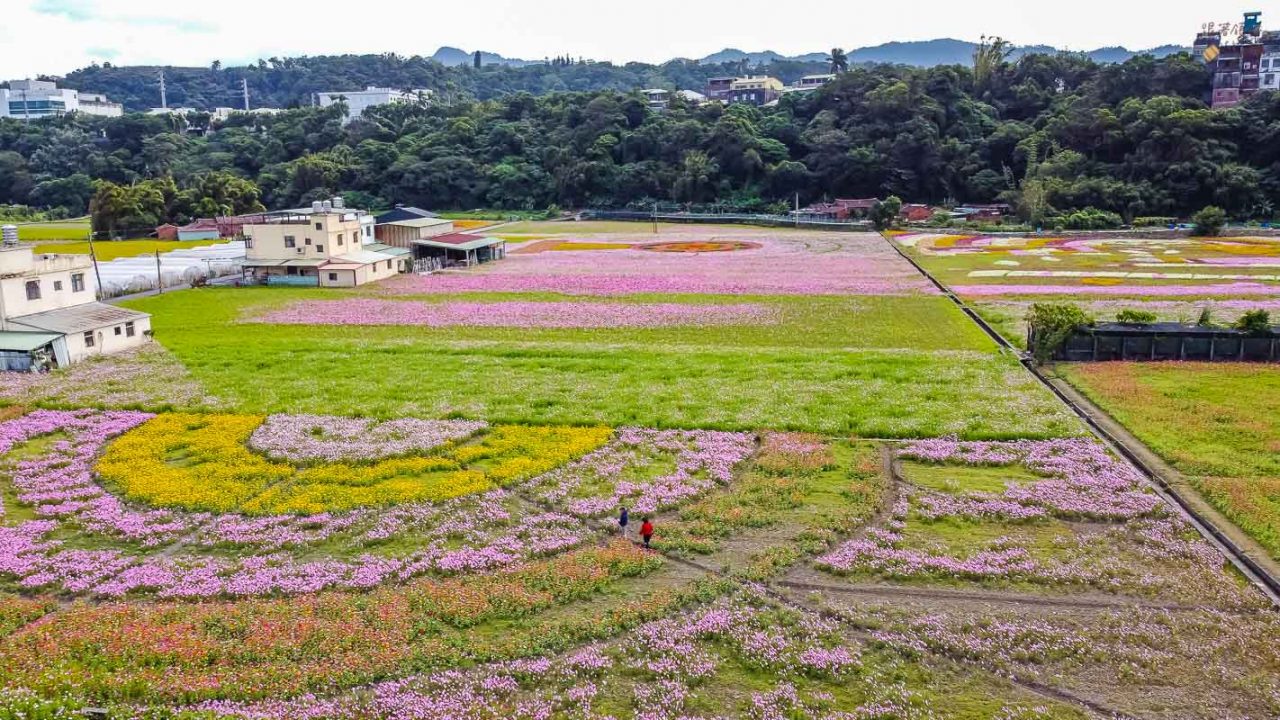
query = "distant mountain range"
x=921 y=53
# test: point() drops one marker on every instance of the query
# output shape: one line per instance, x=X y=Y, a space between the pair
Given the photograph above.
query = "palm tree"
x=988 y=57
x=839 y=61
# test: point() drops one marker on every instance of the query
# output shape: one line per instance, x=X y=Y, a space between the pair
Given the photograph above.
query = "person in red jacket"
x=646 y=530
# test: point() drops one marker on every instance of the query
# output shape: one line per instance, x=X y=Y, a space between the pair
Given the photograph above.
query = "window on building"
x=388 y=264
x=333 y=277
x=319 y=226
x=77 y=282
x=290 y=241
x=339 y=238
x=368 y=232
x=319 y=248
x=57 y=286
x=129 y=329
x=1271 y=79
x=119 y=331
x=308 y=241
x=88 y=339
x=33 y=289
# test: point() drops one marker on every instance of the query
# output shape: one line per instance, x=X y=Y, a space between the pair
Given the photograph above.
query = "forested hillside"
x=290 y=82
x=1046 y=133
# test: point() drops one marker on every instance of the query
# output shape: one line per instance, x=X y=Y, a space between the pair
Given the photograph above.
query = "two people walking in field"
x=646 y=527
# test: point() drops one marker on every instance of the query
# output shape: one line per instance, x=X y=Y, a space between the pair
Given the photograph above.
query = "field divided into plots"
x=400 y=502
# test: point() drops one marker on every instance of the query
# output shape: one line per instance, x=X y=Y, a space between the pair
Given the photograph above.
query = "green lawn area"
x=1219 y=424
x=110 y=250
x=62 y=230
x=892 y=367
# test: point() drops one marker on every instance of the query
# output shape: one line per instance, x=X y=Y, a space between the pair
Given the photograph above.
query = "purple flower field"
x=630 y=471
x=517 y=314
x=304 y=438
x=783 y=265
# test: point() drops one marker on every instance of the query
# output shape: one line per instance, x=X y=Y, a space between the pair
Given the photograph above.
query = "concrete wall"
x=107 y=341
x=54 y=275
x=330 y=234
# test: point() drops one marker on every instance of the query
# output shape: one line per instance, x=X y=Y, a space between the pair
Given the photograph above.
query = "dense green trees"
x=1062 y=139
x=138 y=207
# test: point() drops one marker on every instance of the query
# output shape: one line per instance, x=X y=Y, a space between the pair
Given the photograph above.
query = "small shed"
x=461 y=249
x=168 y=231
x=1166 y=341
x=27 y=351
x=202 y=229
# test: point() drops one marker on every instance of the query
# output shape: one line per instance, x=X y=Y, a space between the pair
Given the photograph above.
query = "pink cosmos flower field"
x=819 y=264
x=372 y=311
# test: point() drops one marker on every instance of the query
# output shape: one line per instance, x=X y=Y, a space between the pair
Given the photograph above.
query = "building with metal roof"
x=404 y=212
x=403 y=232
x=461 y=249
x=328 y=246
x=87 y=330
x=49 y=313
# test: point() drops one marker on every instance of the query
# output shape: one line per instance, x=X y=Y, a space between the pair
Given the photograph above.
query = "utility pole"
x=96 y=273
x=244 y=86
x=797 y=209
x=159 y=277
x=655 y=218
x=164 y=99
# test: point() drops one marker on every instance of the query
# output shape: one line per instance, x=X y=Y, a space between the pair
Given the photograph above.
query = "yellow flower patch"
x=202 y=462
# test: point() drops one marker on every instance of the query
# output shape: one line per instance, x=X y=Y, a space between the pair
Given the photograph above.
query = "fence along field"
x=399 y=501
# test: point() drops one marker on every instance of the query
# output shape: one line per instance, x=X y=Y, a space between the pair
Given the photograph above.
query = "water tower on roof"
x=1252 y=27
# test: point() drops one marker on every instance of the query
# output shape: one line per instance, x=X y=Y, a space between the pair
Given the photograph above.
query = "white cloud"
x=56 y=36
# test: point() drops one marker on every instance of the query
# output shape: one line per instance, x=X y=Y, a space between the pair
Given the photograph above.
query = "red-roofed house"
x=914 y=212
x=840 y=209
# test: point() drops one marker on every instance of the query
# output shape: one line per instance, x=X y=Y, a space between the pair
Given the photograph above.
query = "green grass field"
x=62 y=230
x=107 y=251
x=1219 y=424
x=871 y=366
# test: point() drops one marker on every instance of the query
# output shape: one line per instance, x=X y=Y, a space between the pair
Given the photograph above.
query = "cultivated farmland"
x=400 y=502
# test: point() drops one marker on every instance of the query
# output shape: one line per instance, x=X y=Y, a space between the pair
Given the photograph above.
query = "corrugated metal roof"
x=404 y=213
x=419 y=222
x=361 y=257
x=459 y=241
x=79 y=318
x=386 y=249
x=25 y=341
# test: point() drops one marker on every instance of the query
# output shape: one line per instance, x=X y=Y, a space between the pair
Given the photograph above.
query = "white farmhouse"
x=49 y=313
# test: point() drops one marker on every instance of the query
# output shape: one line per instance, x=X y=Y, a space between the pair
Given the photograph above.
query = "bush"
x=1051 y=324
x=1135 y=317
x=1206 y=318
x=1209 y=221
x=1154 y=221
x=885 y=212
x=940 y=219
x=1255 y=323
x=1091 y=219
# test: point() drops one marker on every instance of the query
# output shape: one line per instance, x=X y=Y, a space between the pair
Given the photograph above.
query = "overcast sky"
x=56 y=36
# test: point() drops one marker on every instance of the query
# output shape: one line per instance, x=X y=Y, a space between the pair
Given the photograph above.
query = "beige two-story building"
x=328 y=245
x=49 y=313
